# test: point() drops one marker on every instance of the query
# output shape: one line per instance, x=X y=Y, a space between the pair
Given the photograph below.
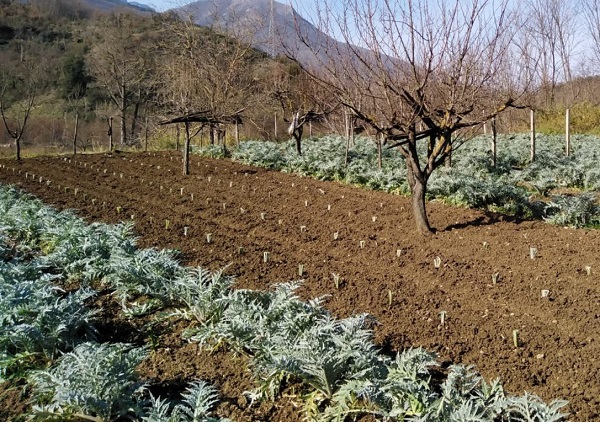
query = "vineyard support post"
x=568 y=132
x=532 y=133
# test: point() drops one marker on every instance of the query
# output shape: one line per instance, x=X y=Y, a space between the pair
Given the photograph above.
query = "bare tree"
x=20 y=87
x=549 y=33
x=591 y=10
x=419 y=70
x=122 y=63
x=204 y=70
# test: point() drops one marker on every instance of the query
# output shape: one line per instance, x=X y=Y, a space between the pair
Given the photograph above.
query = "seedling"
x=437 y=262
x=442 y=318
x=336 y=280
x=266 y=257
x=516 y=340
x=361 y=244
x=532 y=253
x=300 y=270
x=495 y=278
x=208 y=237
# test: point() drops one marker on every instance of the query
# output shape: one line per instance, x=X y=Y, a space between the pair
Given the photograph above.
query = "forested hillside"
x=62 y=63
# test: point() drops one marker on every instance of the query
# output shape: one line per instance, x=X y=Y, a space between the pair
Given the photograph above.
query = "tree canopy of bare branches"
x=420 y=71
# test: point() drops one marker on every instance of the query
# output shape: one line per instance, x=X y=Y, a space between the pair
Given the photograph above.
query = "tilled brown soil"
x=368 y=239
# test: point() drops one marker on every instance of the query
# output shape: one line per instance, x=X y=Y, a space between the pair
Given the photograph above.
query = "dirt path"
x=368 y=239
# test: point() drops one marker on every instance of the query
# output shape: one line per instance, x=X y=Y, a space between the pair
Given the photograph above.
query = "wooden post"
x=146 y=137
x=379 y=153
x=75 y=134
x=110 y=134
x=347 y=124
x=532 y=118
x=186 y=150
x=275 y=126
x=568 y=133
x=352 y=121
x=310 y=129
x=494 y=140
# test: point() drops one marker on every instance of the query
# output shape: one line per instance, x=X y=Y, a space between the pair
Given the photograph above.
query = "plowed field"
x=368 y=239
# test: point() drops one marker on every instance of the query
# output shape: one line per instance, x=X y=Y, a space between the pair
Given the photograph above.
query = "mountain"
x=107 y=5
x=252 y=18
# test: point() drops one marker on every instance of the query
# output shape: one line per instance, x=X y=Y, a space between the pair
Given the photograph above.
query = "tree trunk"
x=298 y=138
x=75 y=134
x=186 y=150
x=211 y=134
x=18 y=146
x=110 y=134
x=177 y=138
x=418 y=189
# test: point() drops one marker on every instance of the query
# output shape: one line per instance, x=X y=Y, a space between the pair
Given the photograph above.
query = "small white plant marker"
x=185 y=230
x=361 y=244
x=266 y=257
x=208 y=237
x=336 y=280
x=300 y=270
x=437 y=262
x=398 y=253
x=532 y=252
x=442 y=318
x=495 y=278
x=336 y=235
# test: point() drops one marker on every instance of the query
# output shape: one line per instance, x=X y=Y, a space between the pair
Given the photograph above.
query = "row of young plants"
x=48 y=263
x=513 y=185
x=332 y=364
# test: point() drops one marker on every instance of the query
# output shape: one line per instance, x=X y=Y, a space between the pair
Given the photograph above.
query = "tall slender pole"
x=494 y=141
x=275 y=126
x=532 y=118
x=568 y=133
